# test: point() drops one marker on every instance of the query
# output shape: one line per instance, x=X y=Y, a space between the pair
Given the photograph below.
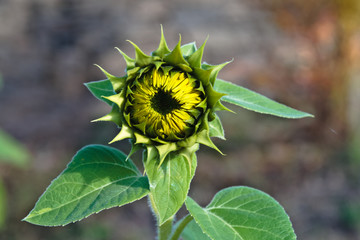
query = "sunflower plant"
x=166 y=104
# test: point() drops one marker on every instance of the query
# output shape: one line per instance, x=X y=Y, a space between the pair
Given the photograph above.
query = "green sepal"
x=203 y=135
x=125 y=132
x=188 y=152
x=132 y=73
x=164 y=150
x=163 y=48
x=141 y=126
x=175 y=57
x=118 y=99
x=184 y=67
x=134 y=148
x=141 y=59
x=117 y=82
x=196 y=58
x=188 y=49
x=204 y=138
x=139 y=138
x=113 y=116
x=158 y=65
x=220 y=107
x=130 y=62
x=213 y=96
x=214 y=70
x=203 y=75
x=216 y=129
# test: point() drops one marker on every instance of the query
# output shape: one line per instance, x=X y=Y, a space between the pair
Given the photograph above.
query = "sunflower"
x=165 y=105
x=166 y=100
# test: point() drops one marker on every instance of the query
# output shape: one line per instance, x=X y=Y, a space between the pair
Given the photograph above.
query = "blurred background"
x=305 y=54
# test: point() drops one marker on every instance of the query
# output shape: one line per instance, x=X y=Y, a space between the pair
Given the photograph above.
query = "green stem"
x=165 y=229
x=180 y=227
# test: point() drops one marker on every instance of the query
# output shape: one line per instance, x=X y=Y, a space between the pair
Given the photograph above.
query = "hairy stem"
x=165 y=229
x=180 y=227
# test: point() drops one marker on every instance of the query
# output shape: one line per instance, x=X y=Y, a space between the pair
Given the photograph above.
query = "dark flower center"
x=164 y=103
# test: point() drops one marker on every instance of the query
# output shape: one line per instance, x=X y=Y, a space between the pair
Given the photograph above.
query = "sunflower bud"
x=166 y=100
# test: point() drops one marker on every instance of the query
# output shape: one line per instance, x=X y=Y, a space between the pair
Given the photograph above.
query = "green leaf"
x=100 y=89
x=169 y=183
x=194 y=232
x=98 y=177
x=242 y=213
x=11 y=151
x=254 y=101
x=216 y=129
x=2 y=205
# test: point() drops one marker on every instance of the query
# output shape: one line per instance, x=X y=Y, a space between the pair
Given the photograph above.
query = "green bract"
x=166 y=100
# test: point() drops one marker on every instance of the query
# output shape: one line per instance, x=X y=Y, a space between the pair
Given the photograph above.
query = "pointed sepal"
x=213 y=96
x=214 y=70
x=124 y=133
x=164 y=150
x=118 y=99
x=130 y=62
x=113 y=116
x=175 y=58
x=134 y=148
x=216 y=129
x=117 y=82
x=163 y=49
x=141 y=59
x=196 y=58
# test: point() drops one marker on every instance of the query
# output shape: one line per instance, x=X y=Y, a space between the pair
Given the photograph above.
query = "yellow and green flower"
x=166 y=100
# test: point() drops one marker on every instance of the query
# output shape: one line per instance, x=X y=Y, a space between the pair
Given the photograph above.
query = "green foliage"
x=12 y=151
x=97 y=178
x=216 y=128
x=242 y=213
x=254 y=101
x=169 y=183
x=194 y=232
x=2 y=204
x=101 y=177
x=100 y=89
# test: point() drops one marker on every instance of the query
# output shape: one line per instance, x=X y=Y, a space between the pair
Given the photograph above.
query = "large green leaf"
x=194 y=232
x=169 y=183
x=11 y=151
x=254 y=101
x=98 y=177
x=2 y=204
x=100 y=89
x=242 y=213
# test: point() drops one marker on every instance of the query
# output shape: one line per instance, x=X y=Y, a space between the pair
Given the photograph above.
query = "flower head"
x=166 y=100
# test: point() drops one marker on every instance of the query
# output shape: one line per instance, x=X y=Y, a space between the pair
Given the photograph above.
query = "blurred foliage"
x=11 y=151
x=14 y=153
x=2 y=204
